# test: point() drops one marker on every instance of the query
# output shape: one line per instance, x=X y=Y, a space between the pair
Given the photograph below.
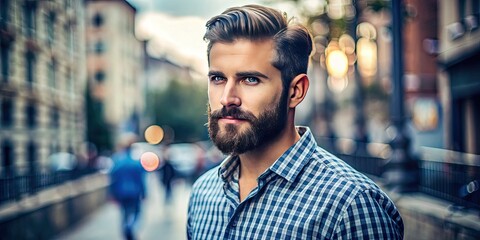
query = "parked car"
x=186 y=159
x=62 y=161
x=213 y=156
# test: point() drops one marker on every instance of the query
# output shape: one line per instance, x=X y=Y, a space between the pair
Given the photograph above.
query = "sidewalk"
x=157 y=221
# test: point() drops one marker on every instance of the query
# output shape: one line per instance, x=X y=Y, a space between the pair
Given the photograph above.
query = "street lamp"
x=401 y=173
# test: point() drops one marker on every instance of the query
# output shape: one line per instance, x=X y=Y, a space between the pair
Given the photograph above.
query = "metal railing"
x=450 y=175
x=14 y=187
x=444 y=174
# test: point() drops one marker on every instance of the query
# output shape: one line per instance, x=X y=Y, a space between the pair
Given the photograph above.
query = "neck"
x=255 y=162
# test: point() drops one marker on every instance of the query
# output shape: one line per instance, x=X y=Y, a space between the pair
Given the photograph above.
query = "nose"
x=230 y=95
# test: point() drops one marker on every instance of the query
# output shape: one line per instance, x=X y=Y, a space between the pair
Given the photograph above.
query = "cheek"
x=261 y=104
x=213 y=98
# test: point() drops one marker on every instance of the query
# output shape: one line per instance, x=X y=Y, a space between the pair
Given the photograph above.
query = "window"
x=69 y=77
x=29 y=11
x=31 y=156
x=54 y=147
x=468 y=13
x=4 y=61
x=4 y=11
x=7 y=153
x=97 y=20
x=7 y=113
x=69 y=36
x=52 y=68
x=51 y=28
x=473 y=20
x=100 y=76
x=68 y=4
x=31 y=153
x=55 y=117
x=30 y=67
x=99 y=47
x=31 y=113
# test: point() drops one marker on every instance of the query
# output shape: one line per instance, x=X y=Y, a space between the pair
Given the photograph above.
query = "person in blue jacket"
x=127 y=184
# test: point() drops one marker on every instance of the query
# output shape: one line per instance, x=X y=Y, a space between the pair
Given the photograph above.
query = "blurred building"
x=161 y=71
x=459 y=81
x=114 y=58
x=42 y=80
x=423 y=108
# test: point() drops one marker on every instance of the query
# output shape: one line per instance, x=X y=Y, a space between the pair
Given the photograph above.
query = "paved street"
x=158 y=220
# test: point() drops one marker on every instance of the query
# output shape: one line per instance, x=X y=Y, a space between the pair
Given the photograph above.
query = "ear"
x=298 y=89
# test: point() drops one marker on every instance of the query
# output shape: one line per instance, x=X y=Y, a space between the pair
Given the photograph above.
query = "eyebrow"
x=240 y=74
x=251 y=74
x=215 y=73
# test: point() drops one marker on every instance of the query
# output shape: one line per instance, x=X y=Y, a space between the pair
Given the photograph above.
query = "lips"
x=233 y=118
x=232 y=114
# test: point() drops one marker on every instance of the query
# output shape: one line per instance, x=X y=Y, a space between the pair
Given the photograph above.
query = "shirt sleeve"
x=189 y=217
x=371 y=215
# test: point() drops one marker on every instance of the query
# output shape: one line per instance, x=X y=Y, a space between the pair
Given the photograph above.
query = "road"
x=158 y=219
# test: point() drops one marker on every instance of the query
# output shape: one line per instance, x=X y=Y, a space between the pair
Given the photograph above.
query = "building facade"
x=114 y=66
x=42 y=82
x=459 y=78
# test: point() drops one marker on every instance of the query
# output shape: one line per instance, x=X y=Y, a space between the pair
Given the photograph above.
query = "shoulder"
x=360 y=203
x=210 y=180
x=335 y=170
x=371 y=215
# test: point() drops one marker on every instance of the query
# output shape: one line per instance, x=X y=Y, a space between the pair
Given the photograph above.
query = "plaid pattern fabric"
x=306 y=194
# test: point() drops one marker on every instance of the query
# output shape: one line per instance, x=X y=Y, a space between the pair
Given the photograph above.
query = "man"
x=167 y=175
x=127 y=184
x=276 y=182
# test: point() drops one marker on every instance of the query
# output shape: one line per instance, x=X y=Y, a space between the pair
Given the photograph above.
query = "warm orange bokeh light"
x=150 y=161
x=154 y=134
x=367 y=57
x=337 y=64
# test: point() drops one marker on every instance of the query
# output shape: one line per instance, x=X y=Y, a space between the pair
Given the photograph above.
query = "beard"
x=262 y=130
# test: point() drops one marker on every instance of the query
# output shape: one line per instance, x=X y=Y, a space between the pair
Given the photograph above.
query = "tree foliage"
x=182 y=107
x=99 y=132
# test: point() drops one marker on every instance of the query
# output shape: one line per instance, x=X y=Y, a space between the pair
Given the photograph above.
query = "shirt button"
x=234 y=224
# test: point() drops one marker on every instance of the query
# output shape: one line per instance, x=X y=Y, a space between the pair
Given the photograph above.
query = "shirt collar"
x=291 y=163
x=288 y=166
x=228 y=167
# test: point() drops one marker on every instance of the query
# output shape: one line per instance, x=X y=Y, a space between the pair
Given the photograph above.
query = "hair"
x=293 y=42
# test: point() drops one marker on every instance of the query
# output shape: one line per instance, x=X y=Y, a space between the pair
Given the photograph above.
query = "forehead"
x=251 y=52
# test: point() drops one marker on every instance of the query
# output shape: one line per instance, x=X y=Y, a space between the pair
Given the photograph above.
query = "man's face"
x=246 y=106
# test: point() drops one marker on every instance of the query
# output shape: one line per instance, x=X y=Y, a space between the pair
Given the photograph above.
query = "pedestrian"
x=127 y=186
x=167 y=175
x=276 y=182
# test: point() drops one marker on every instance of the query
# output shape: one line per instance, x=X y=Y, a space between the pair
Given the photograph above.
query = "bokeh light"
x=150 y=161
x=154 y=134
x=347 y=44
x=337 y=85
x=366 y=30
x=337 y=64
x=367 y=57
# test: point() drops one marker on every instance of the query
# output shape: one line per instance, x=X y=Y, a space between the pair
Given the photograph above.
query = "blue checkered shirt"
x=306 y=194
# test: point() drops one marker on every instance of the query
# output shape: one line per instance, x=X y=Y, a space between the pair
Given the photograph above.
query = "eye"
x=216 y=79
x=251 y=80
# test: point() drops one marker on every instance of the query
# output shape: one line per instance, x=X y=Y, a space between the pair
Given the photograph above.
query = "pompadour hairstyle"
x=293 y=43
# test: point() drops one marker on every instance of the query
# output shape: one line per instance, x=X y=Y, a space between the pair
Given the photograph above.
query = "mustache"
x=233 y=112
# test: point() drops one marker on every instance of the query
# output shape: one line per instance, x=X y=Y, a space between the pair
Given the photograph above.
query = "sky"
x=199 y=8
x=175 y=28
